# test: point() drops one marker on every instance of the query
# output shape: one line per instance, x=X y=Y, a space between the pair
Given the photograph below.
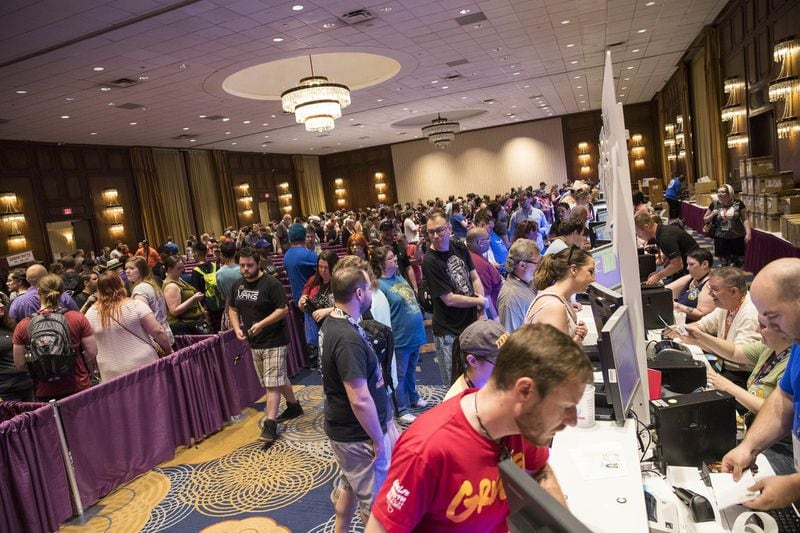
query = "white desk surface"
x=598 y=469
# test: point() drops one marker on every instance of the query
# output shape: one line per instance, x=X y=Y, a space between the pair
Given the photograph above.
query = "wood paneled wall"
x=585 y=127
x=748 y=30
x=49 y=179
x=263 y=173
x=357 y=169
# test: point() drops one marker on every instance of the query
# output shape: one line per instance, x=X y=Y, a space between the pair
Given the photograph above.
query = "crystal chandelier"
x=316 y=102
x=441 y=132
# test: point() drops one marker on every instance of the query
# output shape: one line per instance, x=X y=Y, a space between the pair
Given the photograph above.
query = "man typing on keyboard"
x=776 y=294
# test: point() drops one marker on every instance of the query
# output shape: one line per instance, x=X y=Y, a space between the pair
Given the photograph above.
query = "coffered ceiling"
x=63 y=65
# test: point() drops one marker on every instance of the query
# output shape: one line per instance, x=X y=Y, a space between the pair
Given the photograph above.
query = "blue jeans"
x=406 y=393
x=444 y=356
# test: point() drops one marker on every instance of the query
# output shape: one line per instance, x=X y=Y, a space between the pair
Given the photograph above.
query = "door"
x=83 y=235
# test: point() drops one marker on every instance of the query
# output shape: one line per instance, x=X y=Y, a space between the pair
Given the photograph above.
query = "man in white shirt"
x=410 y=228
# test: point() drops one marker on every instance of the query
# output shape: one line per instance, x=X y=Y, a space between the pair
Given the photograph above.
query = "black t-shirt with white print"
x=449 y=272
x=256 y=300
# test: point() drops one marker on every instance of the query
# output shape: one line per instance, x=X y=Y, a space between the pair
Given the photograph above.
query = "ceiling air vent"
x=357 y=16
x=356 y=125
x=130 y=105
x=214 y=117
x=453 y=76
x=535 y=96
x=362 y=138
x=3 y=121
x=184 y=137
x=123 y=83
x=621 y=43
x=457 y=62
x=471 y=19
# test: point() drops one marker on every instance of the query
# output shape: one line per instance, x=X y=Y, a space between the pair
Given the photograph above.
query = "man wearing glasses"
x=456 y=290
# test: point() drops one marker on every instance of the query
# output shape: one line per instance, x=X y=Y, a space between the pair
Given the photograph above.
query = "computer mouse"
x=702 y=511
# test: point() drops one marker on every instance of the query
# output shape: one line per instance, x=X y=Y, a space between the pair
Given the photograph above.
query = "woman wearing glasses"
x=558 y=278
x=517 y=292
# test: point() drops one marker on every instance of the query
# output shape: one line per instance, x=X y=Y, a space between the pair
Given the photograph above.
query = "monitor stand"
x=603 y=410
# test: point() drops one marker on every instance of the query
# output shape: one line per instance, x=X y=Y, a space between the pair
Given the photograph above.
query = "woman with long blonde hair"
x=125 y=329
x=147 y=290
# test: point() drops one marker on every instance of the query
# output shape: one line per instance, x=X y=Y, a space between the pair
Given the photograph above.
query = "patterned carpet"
x=227 y=483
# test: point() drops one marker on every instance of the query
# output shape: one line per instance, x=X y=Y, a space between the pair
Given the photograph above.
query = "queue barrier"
x=117 y=430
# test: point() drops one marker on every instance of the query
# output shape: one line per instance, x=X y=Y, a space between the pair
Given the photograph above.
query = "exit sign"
x=67 y=210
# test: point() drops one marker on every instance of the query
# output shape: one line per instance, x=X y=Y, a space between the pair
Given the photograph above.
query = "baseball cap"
x=483 y=338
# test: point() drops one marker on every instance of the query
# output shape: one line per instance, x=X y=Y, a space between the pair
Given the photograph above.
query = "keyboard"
x=788 y=519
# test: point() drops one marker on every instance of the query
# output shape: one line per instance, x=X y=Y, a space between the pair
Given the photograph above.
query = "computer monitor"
x=606 y=268
x=531 y=508
x=618 y=363
x=604 y=303
x=600 y=211
x=647 y=265
x=598 y=236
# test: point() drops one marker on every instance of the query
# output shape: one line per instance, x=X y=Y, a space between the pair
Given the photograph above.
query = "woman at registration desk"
x=770 y=356
x=691 y=292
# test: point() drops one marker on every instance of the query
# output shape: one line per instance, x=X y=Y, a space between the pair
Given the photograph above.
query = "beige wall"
x=487 y=161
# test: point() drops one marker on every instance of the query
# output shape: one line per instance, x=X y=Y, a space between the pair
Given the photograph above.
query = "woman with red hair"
x=357 y=245
x=126 y=330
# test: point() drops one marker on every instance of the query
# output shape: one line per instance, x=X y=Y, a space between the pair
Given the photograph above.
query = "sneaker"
x=269 y=433
x=293 y=410
x=407 y=418
x=421 y=404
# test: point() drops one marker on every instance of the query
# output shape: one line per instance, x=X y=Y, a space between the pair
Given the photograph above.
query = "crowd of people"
x=497 y=276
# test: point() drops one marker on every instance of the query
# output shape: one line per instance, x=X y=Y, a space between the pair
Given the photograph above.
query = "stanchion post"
x=65 y=453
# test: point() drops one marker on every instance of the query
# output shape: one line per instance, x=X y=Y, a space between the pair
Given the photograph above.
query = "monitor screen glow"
x=606 y=267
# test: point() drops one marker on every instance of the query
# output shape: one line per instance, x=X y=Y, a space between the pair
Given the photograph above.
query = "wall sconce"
x=9 y=199
x=246 y=199
x=380 y=186
x=110 y=197
x=244 y=188
x=247 y=212
x=584 y=157
x=340 y=201
x=114 y=212
x=117 y=229
x=637 y=150
x=585 y=169
x=786 y=86
x=69 y=236
x=638 y=163
x=285 y=197
x=734 y=110
x=13 y=218
x=16 y=241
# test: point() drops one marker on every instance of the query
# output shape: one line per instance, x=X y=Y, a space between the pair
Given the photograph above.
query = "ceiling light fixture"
x=132 y=123
x=464 y=11
x=64 y=116
x=573 y=62
x=565 y=22
x=316 y=102
x=570 y=45
x=277 y=39
x=93 y=133
x=297 y=7
x=648 y=4
x=329 y=25
x=641 y=31
x=441 y=132
x=98 y=69
x=20 y=91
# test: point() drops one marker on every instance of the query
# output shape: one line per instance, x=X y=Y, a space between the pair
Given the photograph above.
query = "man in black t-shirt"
x=456 y=290
x=389 y=238
x=257 y=311
x=357 y=411
x=673 y=242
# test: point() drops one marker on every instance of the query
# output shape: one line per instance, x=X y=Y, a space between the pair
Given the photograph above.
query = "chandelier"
x=786 y=86
x=315 y=101
x=441 y=132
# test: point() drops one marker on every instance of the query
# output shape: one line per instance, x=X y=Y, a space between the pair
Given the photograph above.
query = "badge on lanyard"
x=692 y=295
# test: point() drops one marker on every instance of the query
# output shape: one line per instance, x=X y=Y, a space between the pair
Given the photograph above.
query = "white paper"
x=728 y=492
x=600 y=461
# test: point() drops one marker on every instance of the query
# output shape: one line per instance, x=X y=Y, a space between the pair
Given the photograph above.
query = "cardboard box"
x=759 y=204
x=655 y=192
x=790 y=228
x=703 y=200
x=746 y=186
x=773 y=183
x=790 y=205
x=705 y=188
x=771 y=223
x=773 y=202
x=759 y=166
x=749 y=202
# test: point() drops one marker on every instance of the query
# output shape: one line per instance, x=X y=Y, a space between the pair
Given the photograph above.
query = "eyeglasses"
x=530 y=262
x=437 y=231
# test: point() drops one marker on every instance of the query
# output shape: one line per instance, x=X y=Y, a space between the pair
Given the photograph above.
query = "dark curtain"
x=34 y=493
x=149 y=193
x=719 y=149
x=227 y=200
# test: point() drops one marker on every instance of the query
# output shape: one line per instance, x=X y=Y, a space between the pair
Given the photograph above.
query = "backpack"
x=424 y=296
x=50 y=354
x=72 y=283
x=213 y=297
x=382 y=340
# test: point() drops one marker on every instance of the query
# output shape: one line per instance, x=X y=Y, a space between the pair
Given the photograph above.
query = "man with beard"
x=257 y=311
x=356 y=408
x=776 y=295
x=433 y=485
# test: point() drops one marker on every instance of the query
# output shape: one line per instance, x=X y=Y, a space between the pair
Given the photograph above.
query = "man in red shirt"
x=444 y=474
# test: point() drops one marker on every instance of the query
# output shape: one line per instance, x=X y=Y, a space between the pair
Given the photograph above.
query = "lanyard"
x=773 y=361
x=339 y=313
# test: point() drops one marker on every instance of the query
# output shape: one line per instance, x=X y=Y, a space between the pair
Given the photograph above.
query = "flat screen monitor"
x=600 y=212
x=618 y=362
x=647 y=265
x=606 y=268
x=604 y=303
x=531 y=508
x=598 y=234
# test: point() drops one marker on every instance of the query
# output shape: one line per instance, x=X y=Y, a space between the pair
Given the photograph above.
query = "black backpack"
x=72 y=283
x=424 y=296
x=382 y=340
x=50 y=354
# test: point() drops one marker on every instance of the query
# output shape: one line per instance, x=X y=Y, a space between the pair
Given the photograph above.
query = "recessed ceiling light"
x=435 y=81
x=185 y=129
x=294 y=139
x=379 y=100
x=648 y=4
x=93 y=133
x=266 y=136
x=464 y=11
x=143 y=78
x=329 y=25
x=192 y=140
x=273 y=116
x=105 y=89
x=583 y=109
x=628 y=68
x=183 y=66
x=491 y=102
x=69 y=99
x=64 y=116
x=245 y=122
x=265 y=124
x=583 y=101
x=225 y=119
x=515 y=74
x=98 y=69
x=580 y=96
x=21 y=91
x=476 y=26
x=132 y=123
x=526 y=86
x=110 y=103
x=565 y=22
x=227 y=133
x=579 y=87
x=297 y=7
x=549 y=114
x=641 y=31
x=622 y=96
x=635 y=50
x=445 y=87
x=310 y=148
x=202 y=116
x=463 y=97
x=233 y=144
x=277 y=39
x=577 y=77
x=573 y=62
x=624 y=88
x=570 y=45
x=386 y=9
x=626 y=79
x=513 y=107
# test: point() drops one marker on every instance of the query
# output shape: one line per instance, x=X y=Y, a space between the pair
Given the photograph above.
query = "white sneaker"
x=421 y=404
x=407 y=418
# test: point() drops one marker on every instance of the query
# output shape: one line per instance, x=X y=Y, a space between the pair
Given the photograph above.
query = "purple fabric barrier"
x=692 y=216
x=34 y=493
x=202 y=389
x=122 y=428
x=239 y=361
x=182 y=341
x=764 y=248
x=295 y=358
